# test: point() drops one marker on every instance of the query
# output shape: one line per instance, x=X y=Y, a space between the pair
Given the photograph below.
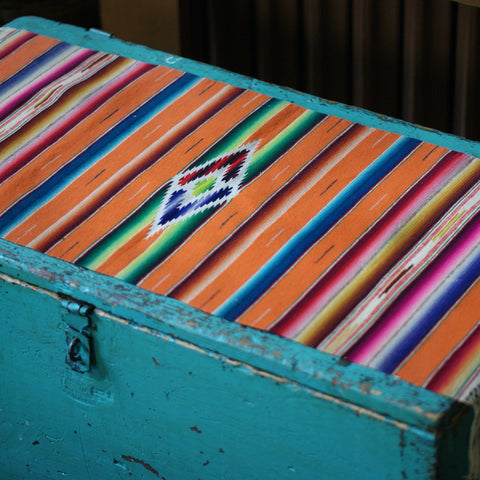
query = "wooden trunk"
x=100 y=379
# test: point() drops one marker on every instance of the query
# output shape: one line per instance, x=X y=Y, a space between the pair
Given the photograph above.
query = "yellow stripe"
x=335 y=311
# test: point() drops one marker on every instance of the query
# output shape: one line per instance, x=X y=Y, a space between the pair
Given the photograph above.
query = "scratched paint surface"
x=294 y=220
x=157 y=406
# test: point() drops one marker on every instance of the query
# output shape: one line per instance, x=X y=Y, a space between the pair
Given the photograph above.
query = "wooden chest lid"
x=345 y=232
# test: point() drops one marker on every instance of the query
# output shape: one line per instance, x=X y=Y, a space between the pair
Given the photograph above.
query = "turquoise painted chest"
x=139 y=340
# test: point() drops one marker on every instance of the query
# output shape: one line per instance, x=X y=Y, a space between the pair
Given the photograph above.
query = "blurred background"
x=418 y=60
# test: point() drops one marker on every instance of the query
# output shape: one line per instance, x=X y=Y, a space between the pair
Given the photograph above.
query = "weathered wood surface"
x=177 y=394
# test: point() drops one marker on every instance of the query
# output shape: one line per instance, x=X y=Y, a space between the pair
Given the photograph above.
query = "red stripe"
x=367 y=246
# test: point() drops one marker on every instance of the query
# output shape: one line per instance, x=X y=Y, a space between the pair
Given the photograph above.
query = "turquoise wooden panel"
x=153 y=408
x=326 y=373
x=169 y=399
x=178 y=394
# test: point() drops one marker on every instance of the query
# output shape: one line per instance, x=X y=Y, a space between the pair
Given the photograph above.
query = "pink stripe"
x=419 y=291
x=12 y=44
x=462 y=355
x=43 y=80
x=354 y=259
x=407 y=270
x=51 y=134
x=50 y=94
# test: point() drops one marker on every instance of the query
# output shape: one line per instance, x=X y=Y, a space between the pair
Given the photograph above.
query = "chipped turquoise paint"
x=178 y=394
x=187 y=395
x=154 y=409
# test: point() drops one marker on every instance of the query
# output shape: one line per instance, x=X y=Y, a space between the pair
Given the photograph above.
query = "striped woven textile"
x=353 y=240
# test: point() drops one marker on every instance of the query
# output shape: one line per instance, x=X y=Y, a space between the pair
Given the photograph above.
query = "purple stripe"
x=38 y=80
x=74 y=117
x=447 y=277
x=14 y=44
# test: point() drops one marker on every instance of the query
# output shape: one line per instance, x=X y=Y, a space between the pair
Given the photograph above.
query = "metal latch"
x=76 y=315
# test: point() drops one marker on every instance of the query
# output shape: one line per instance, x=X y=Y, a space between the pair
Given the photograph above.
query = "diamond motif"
x=205 y=186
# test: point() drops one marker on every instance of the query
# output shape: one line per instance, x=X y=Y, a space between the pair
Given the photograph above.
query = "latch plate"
x=76 y=316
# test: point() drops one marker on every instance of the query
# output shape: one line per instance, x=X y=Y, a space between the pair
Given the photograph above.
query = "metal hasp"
x=76 y=315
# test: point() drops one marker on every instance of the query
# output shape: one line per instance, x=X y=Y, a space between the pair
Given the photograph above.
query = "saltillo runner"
x=354 y=240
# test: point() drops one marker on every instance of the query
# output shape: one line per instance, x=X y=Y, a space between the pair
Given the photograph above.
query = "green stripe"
x=168 y=241
x=281 y=143
x=145 y=215
x=122 y=232
x=165 y=246
x=246 y=128
x=176 y=234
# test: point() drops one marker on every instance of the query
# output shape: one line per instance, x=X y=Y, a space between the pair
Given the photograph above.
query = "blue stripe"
x=315 y=229
x=33 y=67
x=445 y=298
x=24 y=207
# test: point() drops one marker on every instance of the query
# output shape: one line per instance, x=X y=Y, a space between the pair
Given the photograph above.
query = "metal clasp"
x=76 y=315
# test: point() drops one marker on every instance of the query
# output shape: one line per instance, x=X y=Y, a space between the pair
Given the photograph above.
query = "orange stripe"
x=117 y=168
x=315 y=262
x=135 y=246
x=148 y=182
x=441 y=341
x=84 y=134
x=272 y=221
x=275 y=125
x=40 y=122
x=67 y=199
x=117 y=262
x=25 y=54
x=222 y=224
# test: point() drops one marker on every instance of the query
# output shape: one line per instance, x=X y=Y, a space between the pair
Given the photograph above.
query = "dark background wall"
x=413 y=59
x=84 y=13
